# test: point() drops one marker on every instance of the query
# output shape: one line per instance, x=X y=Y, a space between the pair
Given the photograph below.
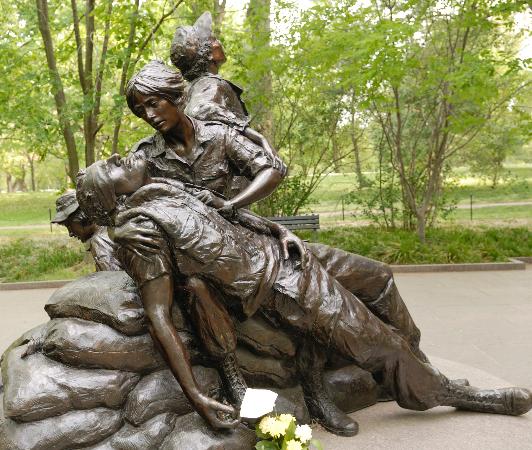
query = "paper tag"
x=257 y=403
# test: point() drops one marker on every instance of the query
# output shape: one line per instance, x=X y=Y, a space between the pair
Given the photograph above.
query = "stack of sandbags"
x=91 y=377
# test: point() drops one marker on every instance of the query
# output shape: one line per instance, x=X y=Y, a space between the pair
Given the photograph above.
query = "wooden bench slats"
x=308 y=222
x=309 y=218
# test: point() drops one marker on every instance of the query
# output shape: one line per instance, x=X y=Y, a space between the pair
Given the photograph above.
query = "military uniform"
x=250 y=276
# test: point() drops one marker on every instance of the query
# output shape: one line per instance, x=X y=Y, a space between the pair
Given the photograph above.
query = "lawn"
x=26 y=208
x=328 y=195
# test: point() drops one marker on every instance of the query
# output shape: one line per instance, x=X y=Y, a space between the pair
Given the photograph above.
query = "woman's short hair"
x=156 y=78
x=95 y=193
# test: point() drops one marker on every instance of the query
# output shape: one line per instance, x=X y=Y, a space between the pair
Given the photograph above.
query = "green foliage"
x=288 y=199
x=442 y=246
x=29 y=260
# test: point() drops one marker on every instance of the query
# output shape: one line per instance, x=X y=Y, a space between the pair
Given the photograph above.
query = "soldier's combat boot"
x=234 y=382
x=311 y=362
x=512 y=401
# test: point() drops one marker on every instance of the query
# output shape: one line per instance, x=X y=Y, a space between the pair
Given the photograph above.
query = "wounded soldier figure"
x=246 y=272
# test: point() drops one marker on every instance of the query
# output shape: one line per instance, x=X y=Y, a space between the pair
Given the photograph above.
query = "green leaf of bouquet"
x=290 y=431
x=266 y=445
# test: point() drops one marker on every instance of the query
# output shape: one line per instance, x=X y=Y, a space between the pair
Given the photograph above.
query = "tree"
x=117 y=32
x=429 y=74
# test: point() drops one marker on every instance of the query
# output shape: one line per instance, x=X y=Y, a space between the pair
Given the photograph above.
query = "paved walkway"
x=473 y=324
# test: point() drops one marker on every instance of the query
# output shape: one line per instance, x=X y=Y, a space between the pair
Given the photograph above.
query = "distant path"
x=459 y=206
x=491 y=205
x=25 y=227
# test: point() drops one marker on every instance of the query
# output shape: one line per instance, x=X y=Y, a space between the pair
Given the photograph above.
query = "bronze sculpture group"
x=171 y=214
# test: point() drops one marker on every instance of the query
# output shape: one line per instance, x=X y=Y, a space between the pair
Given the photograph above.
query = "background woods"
x=398 y=94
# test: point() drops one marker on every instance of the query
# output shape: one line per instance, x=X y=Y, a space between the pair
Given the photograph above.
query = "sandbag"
x=82 y=343
x=34 y=337
x=263 y=339
x=71 y=430
x=110 y=298
x=147 y=436
x=159 y=392
x=261 y=371
x=192 y=433
x=351 y=388
x=37 y=387
x=292 y=401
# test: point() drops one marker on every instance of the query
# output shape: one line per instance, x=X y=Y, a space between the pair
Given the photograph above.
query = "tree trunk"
x=421 y=224
x=57 y=89
x=8 y=182
x=219 y=14
x=258 y=17
x=31 y=162
x=123 y=77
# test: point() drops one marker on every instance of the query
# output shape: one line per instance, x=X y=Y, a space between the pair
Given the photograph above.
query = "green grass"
x=26 y=208
x=443 y=245
x=25 y=259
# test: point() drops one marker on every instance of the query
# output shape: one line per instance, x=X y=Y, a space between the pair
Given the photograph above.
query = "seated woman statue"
x=246 y=271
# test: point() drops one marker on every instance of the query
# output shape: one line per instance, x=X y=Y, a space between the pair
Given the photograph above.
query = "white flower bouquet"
x=282 y=433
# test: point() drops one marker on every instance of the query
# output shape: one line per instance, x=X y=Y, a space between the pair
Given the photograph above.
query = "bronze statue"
x=369 y=280
x=79 y=226
x=248 y=274
x=176 y=223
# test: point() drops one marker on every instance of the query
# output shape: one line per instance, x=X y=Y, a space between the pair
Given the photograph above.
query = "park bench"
x=296 y=223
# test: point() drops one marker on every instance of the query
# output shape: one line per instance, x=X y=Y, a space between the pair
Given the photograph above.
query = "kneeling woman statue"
x=248 y=274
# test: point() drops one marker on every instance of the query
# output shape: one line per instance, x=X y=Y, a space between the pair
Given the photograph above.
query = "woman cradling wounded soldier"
x=220 y=154
x=246 y=272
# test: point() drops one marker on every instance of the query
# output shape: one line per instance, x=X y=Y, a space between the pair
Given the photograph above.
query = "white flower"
x=304 y=433
x=293 y=445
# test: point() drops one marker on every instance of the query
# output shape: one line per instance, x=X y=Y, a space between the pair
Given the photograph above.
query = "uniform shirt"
x=219 y=154
x=195 y=240
x=102 y=249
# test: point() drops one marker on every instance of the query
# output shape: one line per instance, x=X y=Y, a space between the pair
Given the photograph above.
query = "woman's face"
x=158 y=112
x=127 y=174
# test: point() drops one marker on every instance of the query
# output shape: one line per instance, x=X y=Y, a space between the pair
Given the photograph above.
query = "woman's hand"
x=136 y=236
x=211 y=410
x=210 y=199
x=224 y=207
x=289 y=239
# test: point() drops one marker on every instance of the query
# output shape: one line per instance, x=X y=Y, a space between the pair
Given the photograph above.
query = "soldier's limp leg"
x=371 y=282
x=217 y=334
x=343 y=323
